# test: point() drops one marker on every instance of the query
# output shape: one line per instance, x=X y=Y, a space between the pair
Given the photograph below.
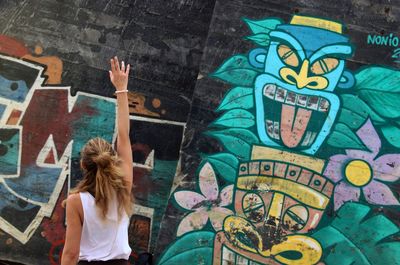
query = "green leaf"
x=392 y=134
x=355 y=112
x=379 y=87
x=237 y=141
x=356 y=239
x=237 y=70
x=192 y=248
x=343 y=137
x=262 y=26
x=226 y=165
x=237 y=97
x=238 y=118
x=261 y=39
x=378 y=78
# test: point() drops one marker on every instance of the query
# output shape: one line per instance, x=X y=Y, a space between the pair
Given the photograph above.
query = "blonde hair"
x=103 y=176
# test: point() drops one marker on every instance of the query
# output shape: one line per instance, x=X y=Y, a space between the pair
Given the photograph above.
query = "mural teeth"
x=301 y=100
x=323 y=105
x=312 y=102
x=270 y=127
x=229 y=257
x=280 y=94
x=291 y=98
x=269 y=91
x=276 y=132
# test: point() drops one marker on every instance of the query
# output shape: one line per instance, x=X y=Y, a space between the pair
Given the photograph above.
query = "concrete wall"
x=291 y=154
x=55 y=95
x=251 y=144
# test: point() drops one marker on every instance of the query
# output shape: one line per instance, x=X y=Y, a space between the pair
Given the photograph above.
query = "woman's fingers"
x=116 y=63
x=127 y=69
x=112 y=65
x=123 y=66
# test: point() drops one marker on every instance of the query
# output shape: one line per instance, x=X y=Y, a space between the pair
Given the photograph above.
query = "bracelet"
x=121 y=91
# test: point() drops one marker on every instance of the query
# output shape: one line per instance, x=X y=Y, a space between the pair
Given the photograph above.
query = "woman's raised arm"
x=119 y=75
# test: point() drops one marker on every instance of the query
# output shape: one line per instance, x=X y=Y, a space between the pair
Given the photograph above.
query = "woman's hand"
x=119 y=74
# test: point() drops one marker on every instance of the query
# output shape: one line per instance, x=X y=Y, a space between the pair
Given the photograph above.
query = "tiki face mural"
x=301 y=135
x=303 y=65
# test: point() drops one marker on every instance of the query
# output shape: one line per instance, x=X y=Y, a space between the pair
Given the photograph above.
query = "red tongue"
x=293 y=127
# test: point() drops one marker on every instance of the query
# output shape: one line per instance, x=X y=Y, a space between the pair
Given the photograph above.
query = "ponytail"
x=104 y=177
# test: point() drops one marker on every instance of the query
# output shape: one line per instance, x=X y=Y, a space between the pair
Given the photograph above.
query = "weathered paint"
x=309 y=150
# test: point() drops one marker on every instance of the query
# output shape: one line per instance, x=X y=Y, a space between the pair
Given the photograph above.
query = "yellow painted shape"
x=358 y=173
x=297 y=191
x=235 y=224
x=275 y=210
x=309 y=248
x=268 y=153
x=302 y=79
x=317 y=23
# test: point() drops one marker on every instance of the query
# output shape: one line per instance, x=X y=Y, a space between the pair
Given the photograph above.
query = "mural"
x=310 y=161
x=43 y=128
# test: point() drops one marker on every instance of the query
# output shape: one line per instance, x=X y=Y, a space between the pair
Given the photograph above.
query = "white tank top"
x=103 y=238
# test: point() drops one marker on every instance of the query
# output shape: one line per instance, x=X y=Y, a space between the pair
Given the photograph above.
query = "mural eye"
x=253 y=207
x=288 y=55
x=296 y=217
x=324 y=66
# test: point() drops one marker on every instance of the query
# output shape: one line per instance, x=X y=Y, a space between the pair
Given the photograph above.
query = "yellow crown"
x=317 y=23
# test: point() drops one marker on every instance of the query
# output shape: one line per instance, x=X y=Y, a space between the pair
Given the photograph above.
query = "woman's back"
x=103 y=238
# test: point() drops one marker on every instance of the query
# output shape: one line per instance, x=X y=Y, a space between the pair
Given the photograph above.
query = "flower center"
x=358 y=173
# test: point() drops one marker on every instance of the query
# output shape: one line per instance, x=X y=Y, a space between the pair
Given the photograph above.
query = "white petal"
x=208 y=182
x=217 y=216
x=188 y=199
x=192 y=221
x=226 y=195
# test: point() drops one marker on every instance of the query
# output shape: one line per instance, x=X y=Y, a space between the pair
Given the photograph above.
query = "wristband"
x=121 y=91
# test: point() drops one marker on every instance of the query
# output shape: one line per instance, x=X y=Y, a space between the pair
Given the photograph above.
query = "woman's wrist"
x=121 y=91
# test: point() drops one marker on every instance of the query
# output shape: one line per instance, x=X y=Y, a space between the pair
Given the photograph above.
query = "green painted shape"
x=263 y=25
x=236 y=70
x=236 y=140
x=225 y=164
x=343 y=137
x=261 y=39
x=379 y=87
x=192 y=248
x=238 y=118
x=355 y=112
x=392 y=134
x=237 y=97
x=354 y=238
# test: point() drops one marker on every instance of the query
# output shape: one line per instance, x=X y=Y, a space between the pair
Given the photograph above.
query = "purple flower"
x=362 y=171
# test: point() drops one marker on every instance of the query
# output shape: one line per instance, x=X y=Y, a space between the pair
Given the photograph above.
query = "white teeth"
x=270 y=127
x=280 y=94
x=309 y=138
x=314 y=134
x=312 y=102
x=323 y=105
x=229 y=257
x=306 y=140
x=276 y=130
x=269 y=91
x=291 y=98
x=273 y=129
x=301 y=100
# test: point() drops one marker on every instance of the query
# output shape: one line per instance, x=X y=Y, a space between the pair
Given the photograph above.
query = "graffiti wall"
x=55 y=95
x=297 y=162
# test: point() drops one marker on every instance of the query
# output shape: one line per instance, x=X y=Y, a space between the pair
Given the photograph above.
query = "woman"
x=98 y=208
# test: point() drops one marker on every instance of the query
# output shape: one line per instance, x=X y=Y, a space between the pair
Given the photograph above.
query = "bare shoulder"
x=74 y=206
x=74 y=201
